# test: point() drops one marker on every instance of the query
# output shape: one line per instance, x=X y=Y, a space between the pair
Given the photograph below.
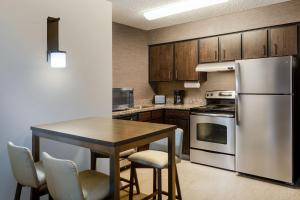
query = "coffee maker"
x=178 y=96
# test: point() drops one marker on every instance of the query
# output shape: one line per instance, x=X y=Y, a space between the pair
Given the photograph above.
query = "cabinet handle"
x=265 y=50
x=224 y=54
x=170 y=75
x=176 y=74
x=275 y=46
x=215 y=55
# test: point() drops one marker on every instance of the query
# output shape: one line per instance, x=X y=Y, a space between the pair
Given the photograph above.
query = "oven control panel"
x=220 y=95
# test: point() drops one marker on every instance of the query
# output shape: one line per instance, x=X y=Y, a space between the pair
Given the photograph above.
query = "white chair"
x=26 y=172
x=157 y=158
x=65 y=183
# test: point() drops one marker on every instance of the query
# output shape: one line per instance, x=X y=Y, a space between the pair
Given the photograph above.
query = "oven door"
x=213 y=132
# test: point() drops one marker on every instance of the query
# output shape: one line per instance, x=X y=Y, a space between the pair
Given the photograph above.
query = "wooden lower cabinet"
x=180 y=118
x=145 y=116
x=155 y=116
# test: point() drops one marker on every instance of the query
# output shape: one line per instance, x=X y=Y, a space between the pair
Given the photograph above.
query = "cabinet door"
x=161 y=62
x=144 y=116
x=230 y=47
x=284 y=41
x=184 y=125
x=186 y=60
x=255 y=44
x=209 y=50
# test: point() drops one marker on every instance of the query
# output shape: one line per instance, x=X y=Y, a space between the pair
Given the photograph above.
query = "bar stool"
x=123 y=155
x=157 y=158
x=26 y=172
x=65 y=183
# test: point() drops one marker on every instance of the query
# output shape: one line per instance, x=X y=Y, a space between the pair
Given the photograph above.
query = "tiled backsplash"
x=215 y=81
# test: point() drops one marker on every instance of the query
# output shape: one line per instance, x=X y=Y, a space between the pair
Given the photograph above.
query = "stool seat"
x=94 y=185
x=157 y=158
x=127 y=153
x=152 y=158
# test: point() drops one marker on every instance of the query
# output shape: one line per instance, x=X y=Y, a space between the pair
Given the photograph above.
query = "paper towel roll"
x=191 y=84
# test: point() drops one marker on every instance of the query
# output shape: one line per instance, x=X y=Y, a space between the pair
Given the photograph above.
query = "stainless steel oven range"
x=213 y=131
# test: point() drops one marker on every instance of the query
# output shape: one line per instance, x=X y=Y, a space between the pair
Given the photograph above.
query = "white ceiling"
x=130 y=12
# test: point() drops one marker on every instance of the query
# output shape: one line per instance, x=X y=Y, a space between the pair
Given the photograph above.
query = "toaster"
x=159 y=99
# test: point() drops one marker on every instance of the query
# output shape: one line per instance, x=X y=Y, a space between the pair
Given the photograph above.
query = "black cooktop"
x=215 y=108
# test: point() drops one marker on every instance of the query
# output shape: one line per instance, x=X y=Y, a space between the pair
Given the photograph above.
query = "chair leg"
x=154 y=183
x=136 y=182
x=131 y=181
x=34 y=194
x=159 y=184
x=50 y=197
x=178 y=185
x=18 y=191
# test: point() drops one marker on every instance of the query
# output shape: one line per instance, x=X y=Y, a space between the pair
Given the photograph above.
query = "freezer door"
x=264 y=136
x=264 y=76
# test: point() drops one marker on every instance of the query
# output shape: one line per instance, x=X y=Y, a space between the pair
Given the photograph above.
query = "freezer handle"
x=237 y=78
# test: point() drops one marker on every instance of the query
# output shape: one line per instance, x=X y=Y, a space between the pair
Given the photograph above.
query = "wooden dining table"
x=109 y=137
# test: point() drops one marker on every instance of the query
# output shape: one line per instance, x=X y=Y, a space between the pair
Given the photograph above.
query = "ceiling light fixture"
x=179 y=7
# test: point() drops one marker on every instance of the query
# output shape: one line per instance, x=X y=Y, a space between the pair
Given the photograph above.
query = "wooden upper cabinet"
x=284 y=41
x=161 y=62
x=255 y=44
x=186 y=60
x=230 y=47
x=209 y=50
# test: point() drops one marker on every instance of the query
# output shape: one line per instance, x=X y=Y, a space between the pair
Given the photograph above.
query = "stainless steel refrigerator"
x=264 y=117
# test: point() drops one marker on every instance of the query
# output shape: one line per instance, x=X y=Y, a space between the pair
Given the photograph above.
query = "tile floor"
x=200 y=182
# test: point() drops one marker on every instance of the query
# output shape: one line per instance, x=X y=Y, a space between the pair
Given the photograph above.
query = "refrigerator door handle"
x=237 y=88
x=237 y=115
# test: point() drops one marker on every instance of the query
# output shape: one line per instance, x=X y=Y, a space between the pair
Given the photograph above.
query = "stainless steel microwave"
x=122 y=98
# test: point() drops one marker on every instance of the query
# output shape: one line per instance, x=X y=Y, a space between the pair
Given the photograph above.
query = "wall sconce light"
x=55 y=57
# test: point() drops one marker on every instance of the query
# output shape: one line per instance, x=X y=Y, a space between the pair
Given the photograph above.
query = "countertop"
x=144 y=108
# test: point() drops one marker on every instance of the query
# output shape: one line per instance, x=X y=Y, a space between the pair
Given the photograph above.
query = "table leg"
x=171 y=165
x=36 y=148
x=93 y=160
x=114 y=175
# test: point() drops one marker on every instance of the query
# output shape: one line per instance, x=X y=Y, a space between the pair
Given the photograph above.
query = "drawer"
x=182 y=114
x=145 y=116
x=159 y=121
x=156 y=114
x=213 y=159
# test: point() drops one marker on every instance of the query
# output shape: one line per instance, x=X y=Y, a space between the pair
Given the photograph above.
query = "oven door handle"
x=213 y=115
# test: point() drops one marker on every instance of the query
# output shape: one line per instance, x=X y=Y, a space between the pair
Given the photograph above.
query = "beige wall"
x=281 y=13
x=130 y=61
x=34 y=93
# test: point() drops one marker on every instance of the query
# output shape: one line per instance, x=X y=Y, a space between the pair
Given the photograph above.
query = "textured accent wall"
x=276 y=14
x=130 y=61
x=215 y=81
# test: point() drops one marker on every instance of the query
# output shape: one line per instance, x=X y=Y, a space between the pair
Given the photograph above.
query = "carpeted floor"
x=200 y=182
